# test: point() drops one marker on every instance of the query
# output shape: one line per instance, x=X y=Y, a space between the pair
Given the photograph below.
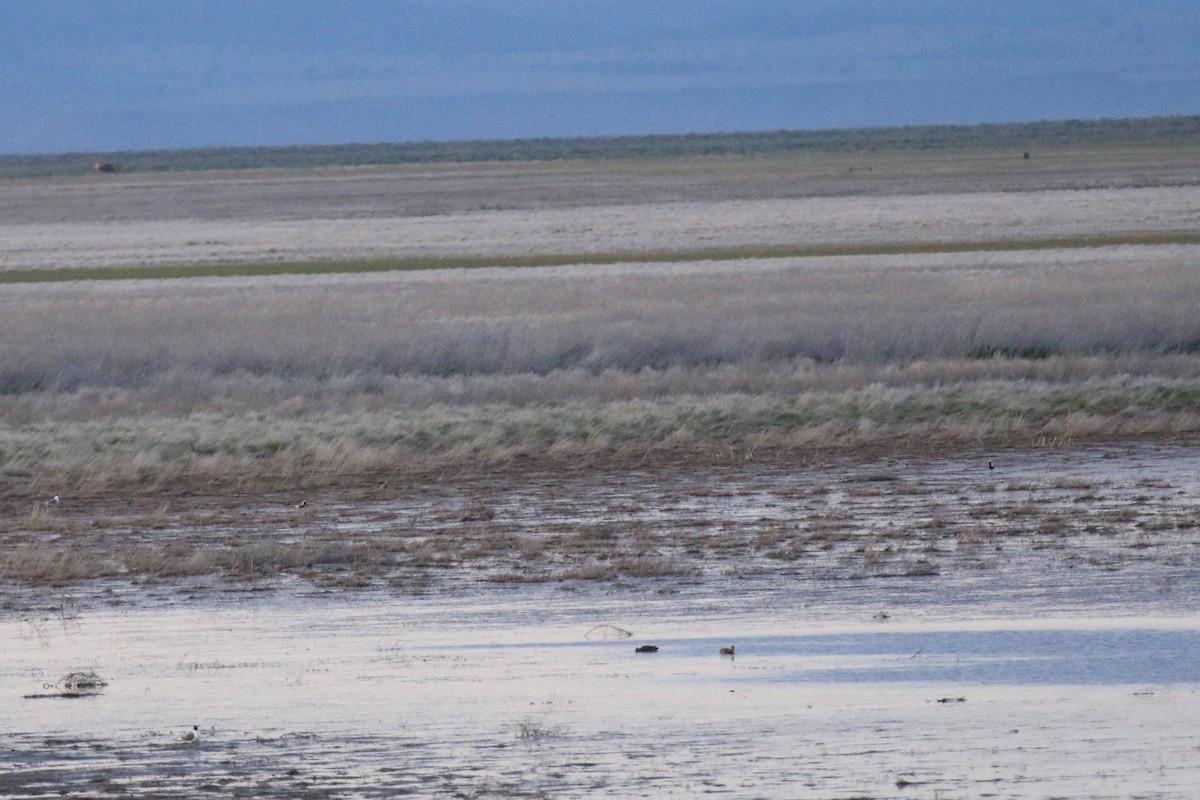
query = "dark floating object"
x=302 y=504
x=646 y=648
x=990 y=465
x=73 y=684
x=952 y=699
x=903 y=783
x=727 y=651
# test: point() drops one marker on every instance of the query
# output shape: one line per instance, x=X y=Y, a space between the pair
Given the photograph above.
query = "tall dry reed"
x=360 y=332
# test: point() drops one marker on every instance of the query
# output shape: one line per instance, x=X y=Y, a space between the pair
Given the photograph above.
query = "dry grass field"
x=584 y=211
x=692 y=308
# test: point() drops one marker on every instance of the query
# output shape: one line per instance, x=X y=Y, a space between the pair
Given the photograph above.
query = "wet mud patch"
x=1124 y=514
x=902 y=628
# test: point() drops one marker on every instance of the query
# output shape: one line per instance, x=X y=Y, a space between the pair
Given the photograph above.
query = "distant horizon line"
x=614 y=145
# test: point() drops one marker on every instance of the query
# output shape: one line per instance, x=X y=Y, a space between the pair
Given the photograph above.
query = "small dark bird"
x=646 y=648
x=990 y=465
x=727 y=651
x=302 y=504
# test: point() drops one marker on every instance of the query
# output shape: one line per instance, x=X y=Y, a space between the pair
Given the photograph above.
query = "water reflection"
x=1063 y=657
x=376 y=699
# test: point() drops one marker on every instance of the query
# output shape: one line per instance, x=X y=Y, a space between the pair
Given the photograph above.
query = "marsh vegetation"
x=1126 y=514
x=719 y=308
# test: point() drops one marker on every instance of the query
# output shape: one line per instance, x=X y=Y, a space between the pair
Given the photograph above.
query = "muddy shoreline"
x=913 y=625
x=665 y=527
x=21 y=489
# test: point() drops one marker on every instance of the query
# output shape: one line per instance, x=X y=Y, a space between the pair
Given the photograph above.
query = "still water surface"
x=378 y=697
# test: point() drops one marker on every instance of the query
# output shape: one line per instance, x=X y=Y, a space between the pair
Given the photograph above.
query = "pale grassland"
x=990 y=302
x=381 y=334
x=306 y=376
x=839 y=221
x=157 y=451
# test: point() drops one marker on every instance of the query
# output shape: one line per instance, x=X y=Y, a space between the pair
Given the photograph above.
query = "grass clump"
x=532 y=729
x=718 y=428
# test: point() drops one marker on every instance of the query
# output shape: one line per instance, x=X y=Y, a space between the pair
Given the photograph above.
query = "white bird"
x=192 y=736
x=53 y=501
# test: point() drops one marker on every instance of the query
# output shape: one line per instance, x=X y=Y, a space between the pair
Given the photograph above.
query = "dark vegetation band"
x=919 y=137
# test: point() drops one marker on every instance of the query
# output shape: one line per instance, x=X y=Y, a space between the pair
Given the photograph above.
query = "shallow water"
x=379 y=698
x=1064 y=663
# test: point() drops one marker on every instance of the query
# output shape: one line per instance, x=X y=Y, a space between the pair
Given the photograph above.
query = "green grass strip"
x=414 y=263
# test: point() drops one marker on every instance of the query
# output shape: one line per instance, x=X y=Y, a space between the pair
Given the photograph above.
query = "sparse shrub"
x=591 y=571
x=53 y=565
x=652 y=567
x=533 y=729
x=531 y=547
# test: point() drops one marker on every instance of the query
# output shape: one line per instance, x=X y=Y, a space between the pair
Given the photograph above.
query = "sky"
x=105 y=75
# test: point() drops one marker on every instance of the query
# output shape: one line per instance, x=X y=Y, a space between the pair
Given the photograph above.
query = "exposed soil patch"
x=1108 y=510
